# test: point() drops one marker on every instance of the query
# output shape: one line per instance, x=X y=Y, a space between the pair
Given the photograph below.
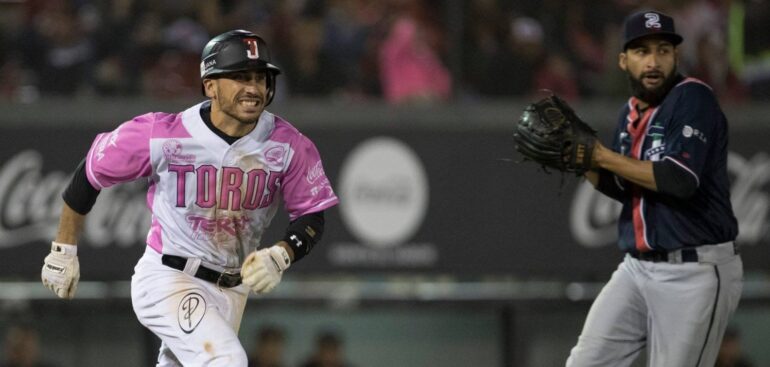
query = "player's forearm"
x=288 y=248
x=637 y=171
x=70 y=225
x=592 y=177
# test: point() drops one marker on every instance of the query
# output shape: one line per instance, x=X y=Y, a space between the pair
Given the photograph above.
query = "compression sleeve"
x=80 y=195
x=611 y=185
x=304 y=233
x=671 y=179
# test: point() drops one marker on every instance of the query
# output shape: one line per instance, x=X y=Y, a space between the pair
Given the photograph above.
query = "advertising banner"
x=422 y=201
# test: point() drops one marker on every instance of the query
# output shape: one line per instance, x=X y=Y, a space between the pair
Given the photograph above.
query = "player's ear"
x=676 y=56
x=209 y=87
x=623 y=61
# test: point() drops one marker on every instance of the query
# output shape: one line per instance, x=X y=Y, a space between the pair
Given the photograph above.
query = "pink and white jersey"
x=211 y=200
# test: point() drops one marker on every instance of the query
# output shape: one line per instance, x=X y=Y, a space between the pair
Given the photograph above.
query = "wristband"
x=64 y=249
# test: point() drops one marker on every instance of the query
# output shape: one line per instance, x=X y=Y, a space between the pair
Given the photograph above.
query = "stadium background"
x=443 y=250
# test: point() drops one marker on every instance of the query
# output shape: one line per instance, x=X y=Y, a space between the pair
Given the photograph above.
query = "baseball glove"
x=550 y=133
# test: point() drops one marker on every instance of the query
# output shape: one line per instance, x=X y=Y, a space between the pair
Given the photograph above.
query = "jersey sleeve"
x=305 y=188
x=697 y=123
x=121 y=155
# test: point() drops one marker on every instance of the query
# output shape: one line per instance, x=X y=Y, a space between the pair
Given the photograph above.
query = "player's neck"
x=228 y=124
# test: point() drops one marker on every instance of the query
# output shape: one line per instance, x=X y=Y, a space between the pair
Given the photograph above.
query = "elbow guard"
x=674 y=180
x=610 y=185
x=304 y=233
x=79 y=194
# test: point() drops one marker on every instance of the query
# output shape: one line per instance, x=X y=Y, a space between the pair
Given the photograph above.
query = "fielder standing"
x=217 y=173
x=681 y=278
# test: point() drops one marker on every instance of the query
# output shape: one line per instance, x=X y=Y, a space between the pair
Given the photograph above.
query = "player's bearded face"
x=651 y=68
x=241 y=95
x=655 y=94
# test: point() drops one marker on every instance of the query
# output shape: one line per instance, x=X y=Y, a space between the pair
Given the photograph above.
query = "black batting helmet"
x=238 y=50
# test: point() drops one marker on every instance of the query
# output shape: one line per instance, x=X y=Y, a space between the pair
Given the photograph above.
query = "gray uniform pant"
x=679 y=311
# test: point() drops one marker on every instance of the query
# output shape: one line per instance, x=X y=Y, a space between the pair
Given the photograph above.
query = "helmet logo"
x=252 y=51
x=653 y=20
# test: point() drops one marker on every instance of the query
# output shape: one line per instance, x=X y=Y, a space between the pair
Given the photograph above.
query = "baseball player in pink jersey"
x=217 y=173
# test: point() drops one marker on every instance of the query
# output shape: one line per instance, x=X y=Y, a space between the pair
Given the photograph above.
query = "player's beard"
x=654 y=96
x=231 y=109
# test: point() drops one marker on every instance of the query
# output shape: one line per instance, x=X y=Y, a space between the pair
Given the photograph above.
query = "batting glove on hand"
x=61 y=270
x=262 y=270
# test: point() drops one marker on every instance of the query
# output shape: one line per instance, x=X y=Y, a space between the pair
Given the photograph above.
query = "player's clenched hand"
x=262 y=270
x=61 y=270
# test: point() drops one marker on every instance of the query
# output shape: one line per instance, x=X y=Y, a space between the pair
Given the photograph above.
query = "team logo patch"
x=274 y=155
x=688 y=132
x=172 y=151
x=654 y=152
x=653 y=21
x=192 y=308
x=314 y=173
x=252 y=51
x=171 y=148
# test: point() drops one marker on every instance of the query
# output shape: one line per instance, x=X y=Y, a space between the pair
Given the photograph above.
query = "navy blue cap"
x=648 y=23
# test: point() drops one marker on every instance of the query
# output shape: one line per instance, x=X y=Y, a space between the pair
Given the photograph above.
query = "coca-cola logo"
x=30 y=204
x=314 y=172
x=593 y=217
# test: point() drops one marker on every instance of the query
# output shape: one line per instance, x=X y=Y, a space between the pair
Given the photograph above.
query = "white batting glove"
x=262 y=270
x=61 y=270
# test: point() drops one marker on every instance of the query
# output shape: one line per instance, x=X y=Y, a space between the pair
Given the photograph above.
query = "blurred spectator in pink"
x=411 y=69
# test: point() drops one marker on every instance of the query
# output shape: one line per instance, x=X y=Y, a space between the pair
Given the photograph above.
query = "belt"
x=704 y=253
x=689 y=255
x=220 y=278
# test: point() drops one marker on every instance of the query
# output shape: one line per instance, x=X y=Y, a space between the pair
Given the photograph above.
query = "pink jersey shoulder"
x=123 y=154
x=305 y=189
x=168 y=125
x=284 y=131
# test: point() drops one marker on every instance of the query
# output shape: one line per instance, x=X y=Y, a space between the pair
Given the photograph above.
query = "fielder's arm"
x=61 y=269
x=662 y=176
x=70 y=225
x=637 y=171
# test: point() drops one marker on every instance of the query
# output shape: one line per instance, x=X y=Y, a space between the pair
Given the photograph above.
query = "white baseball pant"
x=196 y=321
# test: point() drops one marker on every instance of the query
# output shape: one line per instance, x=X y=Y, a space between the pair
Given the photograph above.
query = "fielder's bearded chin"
x=652 y=96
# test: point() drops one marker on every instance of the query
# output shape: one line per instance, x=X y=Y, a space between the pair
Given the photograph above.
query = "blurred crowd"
x=402 y=51
x=22 y=347
x=269 y=349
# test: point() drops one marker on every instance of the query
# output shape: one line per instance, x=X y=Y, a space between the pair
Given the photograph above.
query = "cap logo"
x=653 y=21
x=252 y=51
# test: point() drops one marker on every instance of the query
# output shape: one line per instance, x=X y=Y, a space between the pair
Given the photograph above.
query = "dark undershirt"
x=205 y=112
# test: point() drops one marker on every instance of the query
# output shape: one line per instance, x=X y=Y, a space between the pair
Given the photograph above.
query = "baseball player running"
x=217 y=172
x=681 y=278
